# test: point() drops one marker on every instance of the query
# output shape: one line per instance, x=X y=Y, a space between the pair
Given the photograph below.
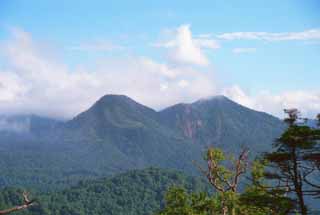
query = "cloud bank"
x=32 y=81
x=308 y=102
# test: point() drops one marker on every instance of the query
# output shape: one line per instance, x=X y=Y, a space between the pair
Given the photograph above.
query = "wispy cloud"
x=206 y=43
x=243 y=50
x=312 y=34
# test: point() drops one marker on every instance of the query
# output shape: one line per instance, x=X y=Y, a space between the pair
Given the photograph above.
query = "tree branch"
x=26 y=204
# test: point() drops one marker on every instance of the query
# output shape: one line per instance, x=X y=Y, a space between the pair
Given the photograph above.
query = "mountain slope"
x=223 y=123
x=127 y=132
x=118 y=134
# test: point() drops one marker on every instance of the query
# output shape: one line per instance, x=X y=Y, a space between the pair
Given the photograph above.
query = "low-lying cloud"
x=21 y=125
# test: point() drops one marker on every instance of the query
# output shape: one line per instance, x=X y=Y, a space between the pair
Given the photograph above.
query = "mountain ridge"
x=117 y=134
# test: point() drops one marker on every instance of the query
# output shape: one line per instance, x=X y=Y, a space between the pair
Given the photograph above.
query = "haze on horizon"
x=57 y=58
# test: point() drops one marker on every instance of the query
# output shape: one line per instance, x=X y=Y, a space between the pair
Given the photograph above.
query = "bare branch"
x=241 y=167
x=211 y=179
x=26 y=204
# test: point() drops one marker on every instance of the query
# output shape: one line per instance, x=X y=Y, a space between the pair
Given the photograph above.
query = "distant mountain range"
x=118 y=134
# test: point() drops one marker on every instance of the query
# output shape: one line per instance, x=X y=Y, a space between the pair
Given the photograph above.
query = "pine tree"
x=292 y=163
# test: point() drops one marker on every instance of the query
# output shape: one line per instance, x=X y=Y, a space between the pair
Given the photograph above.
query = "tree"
x=291 y=167
x=258 y=198
x=26 y=204
x=224 y=175
x=312 y=158
x=292 y=163
x=179 y=202
x=225 y=180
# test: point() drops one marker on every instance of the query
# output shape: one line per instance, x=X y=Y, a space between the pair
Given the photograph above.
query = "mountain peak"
x=216 y=100
x=111 y=101
x=115 y=110
x=213 y=98
x=115 y=98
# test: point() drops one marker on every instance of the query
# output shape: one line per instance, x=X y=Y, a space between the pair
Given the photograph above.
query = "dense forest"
x=135 y=192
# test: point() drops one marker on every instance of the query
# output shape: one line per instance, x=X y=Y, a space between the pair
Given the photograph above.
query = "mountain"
x=135 y=192
x=117 y=134
x=223 y=123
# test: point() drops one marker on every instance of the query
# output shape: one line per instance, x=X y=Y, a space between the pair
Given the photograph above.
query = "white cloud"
x=204 y=36
x=183 y=83
x=33 y=82
x=308 y=102
x=207 y=43
x=243 y=50
x=184 y=49
x=238 y=95
x=312 y=34
x=163 y=86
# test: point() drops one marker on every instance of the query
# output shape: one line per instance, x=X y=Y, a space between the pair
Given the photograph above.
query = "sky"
x=58 y=57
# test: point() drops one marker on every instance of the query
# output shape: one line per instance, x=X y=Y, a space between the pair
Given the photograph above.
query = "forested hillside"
x=117 y=134
x=136 y=192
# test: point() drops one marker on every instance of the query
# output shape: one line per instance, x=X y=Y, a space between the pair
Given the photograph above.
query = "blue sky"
x=251 y=51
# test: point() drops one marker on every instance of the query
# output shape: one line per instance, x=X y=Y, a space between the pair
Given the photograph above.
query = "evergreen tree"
x=259 y=198
x=293 y=163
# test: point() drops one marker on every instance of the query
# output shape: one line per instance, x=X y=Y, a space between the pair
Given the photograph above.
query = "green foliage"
x=256 y=199
x=136 y=192
x=179 y=202
x=294 y=162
